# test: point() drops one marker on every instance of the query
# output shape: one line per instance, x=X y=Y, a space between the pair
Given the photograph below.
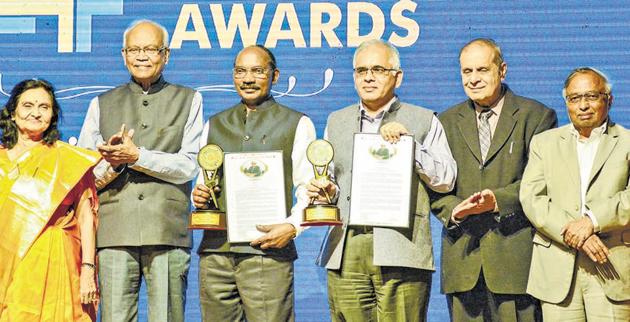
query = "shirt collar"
x=595 y=133
x=387 y=107
x=494 y=108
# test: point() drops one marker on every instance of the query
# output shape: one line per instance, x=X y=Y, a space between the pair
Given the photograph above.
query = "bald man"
x=147 y=132
x=255 y=281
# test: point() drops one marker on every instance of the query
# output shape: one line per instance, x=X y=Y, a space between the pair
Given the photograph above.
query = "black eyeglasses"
x=376 y=70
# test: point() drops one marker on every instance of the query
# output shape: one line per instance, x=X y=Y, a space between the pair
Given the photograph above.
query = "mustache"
x=244 y=87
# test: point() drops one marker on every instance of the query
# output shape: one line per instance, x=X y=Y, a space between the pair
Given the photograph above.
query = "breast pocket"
x=616 y=174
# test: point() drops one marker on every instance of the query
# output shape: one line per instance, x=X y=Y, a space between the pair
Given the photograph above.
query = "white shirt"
x=586 y=151
x=177 y=168
x=434 y=161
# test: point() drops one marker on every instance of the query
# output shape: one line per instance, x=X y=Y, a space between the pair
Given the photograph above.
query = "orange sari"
x=40 y=240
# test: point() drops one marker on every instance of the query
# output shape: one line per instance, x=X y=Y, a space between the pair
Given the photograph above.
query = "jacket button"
x=348 y=198
x=145 y=103
x=144 y=126
x=246 y=138
x=141 y=197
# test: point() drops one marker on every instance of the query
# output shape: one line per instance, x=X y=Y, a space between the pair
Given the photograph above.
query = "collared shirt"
x=495 y=112
x=586 y=151
x=434 y=162
x=177 y=168
x=302 y=169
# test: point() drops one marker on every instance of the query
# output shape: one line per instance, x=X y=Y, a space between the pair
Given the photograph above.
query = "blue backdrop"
x=76 y=45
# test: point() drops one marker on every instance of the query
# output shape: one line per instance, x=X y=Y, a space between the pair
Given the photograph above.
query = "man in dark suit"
x=487 y=240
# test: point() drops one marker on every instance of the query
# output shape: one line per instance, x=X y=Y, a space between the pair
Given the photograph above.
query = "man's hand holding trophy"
x=208 y=215
x=321 y=211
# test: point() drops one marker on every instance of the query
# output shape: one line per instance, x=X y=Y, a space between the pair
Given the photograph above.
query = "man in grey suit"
x=144 y=181
x=575 y=192
x=377 y=273
x=486 y=239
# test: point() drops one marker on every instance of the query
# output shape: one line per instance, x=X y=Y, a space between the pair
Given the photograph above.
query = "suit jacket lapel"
x=568 y=154
x=505 y=125
x=467 y=125
x=605 y=148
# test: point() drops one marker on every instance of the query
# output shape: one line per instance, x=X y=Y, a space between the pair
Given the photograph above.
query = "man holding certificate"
x=379 y=268
x=265 y=144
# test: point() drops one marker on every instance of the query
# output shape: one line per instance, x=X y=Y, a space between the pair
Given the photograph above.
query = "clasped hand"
x=478 y=203
x=576 y=232
x=120 y=148
x=579 y=234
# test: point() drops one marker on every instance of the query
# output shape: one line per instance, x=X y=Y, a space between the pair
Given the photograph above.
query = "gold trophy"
x=210 y=159
x=319 y=154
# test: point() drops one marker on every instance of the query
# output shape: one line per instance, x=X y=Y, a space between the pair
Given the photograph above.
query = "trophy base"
x=321 y=215
x=207 y=220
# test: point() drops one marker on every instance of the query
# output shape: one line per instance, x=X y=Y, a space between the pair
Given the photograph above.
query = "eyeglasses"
x=377 y=70
x=257 y=72
x=149 y=51
x=589 y=96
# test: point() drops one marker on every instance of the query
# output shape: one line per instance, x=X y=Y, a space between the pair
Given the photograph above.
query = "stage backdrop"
x=76 y=45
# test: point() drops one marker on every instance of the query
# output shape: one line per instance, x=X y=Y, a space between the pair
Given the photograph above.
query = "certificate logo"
x=382 y=151
x=254 y=168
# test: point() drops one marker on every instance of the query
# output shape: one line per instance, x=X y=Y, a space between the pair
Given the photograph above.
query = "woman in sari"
x=48 y=209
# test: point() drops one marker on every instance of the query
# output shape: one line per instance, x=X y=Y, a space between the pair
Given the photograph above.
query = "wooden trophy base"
x=321 y=215
x=207 y=220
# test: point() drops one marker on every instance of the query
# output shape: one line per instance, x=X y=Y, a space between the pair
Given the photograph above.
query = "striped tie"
x=485 y=136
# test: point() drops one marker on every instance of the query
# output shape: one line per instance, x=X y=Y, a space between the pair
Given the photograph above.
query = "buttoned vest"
x=270 y=127
x=135 y=208
x=410 y=247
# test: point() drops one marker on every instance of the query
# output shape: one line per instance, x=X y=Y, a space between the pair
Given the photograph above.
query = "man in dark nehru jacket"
x=379 y=273
x=486 y=239
x=255 y=281
x=144 y=181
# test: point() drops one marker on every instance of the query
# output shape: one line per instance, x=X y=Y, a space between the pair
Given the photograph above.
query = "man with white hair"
x=377 y=273
x=147 y=132
x=575 y=192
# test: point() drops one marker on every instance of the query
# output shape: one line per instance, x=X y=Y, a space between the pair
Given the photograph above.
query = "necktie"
x=485 y=136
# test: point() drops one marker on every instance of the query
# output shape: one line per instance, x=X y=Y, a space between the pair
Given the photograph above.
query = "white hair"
x=138 y=22
x=394 y=56
x=584 y=70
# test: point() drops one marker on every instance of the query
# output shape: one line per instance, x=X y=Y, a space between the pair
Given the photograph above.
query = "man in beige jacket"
x=575 y=192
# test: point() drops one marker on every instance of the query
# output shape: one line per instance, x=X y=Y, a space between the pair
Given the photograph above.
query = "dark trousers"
x=480 y=304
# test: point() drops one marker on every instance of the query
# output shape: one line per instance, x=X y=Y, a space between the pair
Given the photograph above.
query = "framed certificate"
x=254 y=188
x=381 y=181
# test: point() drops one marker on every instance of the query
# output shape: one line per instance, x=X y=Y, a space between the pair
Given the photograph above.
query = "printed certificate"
x=381 y=181
x=254 y=187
